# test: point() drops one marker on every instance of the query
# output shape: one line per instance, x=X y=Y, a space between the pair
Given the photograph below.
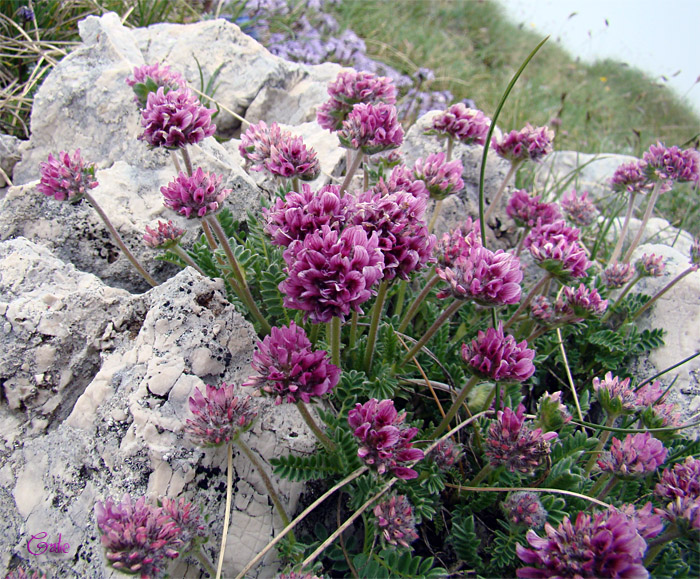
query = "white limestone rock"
x=9 y=155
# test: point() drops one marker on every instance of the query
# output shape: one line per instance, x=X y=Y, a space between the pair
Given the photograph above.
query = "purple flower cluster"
x=150 y=77
x=655 y=411
x=600 y=545
x=637 y=456
x=578 y=208
x=195 y=196
x=396 y=521
x=289 y=369
x=371 y=129
x=542 y=310
x=350 y=88
x=290 y=157
x=446 y=454
x=663 y=163
x=581 y=303
x=526 y=210
x=524 y=509
x=631 y=178
x=614 y=395
x=458 y=242
x=529 y=143
x=440 y=177
x=648 y=524
x=555 y=247
x=385 y=441
x=219 y=415
x=470 y=126
x=138 y=538
x=403 y=179
x=66 y=178
x=257 y=142
x=617 y=275
x=512 y=443
x=164 y=236
x=650 y=265
x=681 y=485
x=331 y=273
x=192 y=529
x=22 y=572
x=175 y=119
x=495 y=356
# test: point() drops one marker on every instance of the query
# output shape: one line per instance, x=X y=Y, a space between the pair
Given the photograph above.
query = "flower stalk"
x=601 y=443
x=647 y=215
x=227 y=513
x=526 y=302
x=494 y=203
x=315 y=428
x=444 y=316
x=667 y=287
x=431 y=283
x=374 y=324
x=625 y=226
x=352 y=169
x=333 y=332
x=452 y=412
x=187 y=160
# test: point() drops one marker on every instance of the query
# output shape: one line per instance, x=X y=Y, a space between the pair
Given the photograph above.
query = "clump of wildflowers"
x=289 y=369
x=650 y=265
x=495 y=356
x=257 y=142
x=290 y=158
x=617 y=275
x=150 y=77
x=137 y=538
x=526 y=210
x=524 y=509
x=371 y=129
x=220 y=415
x=164 y=236
x=459 y=122
x=581 y=302
x=662 y=163
x=440 y=177
x=175 y=119
x=637 y=456
x=196 y=195
x=66 y=177
x=555 y=248
x=446 y=454
x=578 y=208
x=395 y=519
x=403 y=179
x=385 y=441
x=331 y=274
x=600 y=545
x=655 y=411
x=529 y=143
x=512 y=443
x=615 y=395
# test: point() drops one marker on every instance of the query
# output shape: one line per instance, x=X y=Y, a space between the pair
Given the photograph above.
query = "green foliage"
x=671 y=564
x=464 y=539
x=390 y=564
x=308 y=467
x=502 y=552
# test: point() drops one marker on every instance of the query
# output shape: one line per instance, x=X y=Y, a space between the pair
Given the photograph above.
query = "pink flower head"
x=441 y=178
x=555 y=248
x=384 y=438
x=552 y=414
x=403 y=179
x=446 y=454
x=219 y=415
x=332 y=273
x=488 y=278
x=615 y=395
x=195 y=196
x=631 y=178
x=524 y=509
x=67 y=178
x=403 y=237
x=175 y=119
x=298 y=214
x=257 y=143
x=578 y=208
x=290 y=158
x=663 y=163
x=191 y=525
x=599 y=545
x=512 y=443
x=681 y=485
x=542 y=310
x=495 y=356
x=529 y=143
x=656 y=412
x=581 y=302
x=639 y=455
x=371 y=129
x=23 y=572
x=289 y=369
x=165 y=236
x=458 y=242
x=470 y=126
x=526 y=210
x=617 y=275
x=150 y=77
x=650 y=265
x=350 y=88
x=137 y=537
x=648 y=524
x=396 y=521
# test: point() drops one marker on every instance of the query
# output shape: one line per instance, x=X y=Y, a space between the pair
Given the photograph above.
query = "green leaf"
x=301 y=468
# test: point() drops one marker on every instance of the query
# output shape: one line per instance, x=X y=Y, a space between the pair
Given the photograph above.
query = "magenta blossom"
x=631 y=178
x=137 y=538
x=290 y=158
x=512 y=443
x=440 y=177
x=371 y=129
x=298 y=214
x=446 y=454
x=191 y=525
x=289 y=369
x=165 y=236
x=67 y=178
x=470 y=126
x=581 y=303
x=150 y=77
x=639 y=455
x=195 y=196
x=403 y=179
x=542 y=310
x=526 y=210
x=219 y=415
x=257 y=143
x=663 y=163
x=175 y=119
x=578 y=208
x=617 y=275
x=524 y=509
x=384 y=438
x=650 y=265
x=599 y=545
x=656 y=412
x=331 y=273
x=648 y=524
x=495 y=356
x=396 y=521
x=350 y=88
x=458 y=242
x=529 y=143
x=555 y=248
x=681 y=485
x=615 y=395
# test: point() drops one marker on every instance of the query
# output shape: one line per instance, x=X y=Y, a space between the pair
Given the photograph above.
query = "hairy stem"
x=623 y=232
x=444 y=316
x=374 y=324
x=227 y=514
x=431 y=283
x=436 y=213
x=623 y=293
x=333 y=336
x=315 y=428
x=184 y=256
x=452 y=412
x=494 y=202
x=187 y=160
x=352 y=169
x=647 y=214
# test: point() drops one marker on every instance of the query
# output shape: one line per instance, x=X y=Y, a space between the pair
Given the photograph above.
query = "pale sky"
x=659 y=37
